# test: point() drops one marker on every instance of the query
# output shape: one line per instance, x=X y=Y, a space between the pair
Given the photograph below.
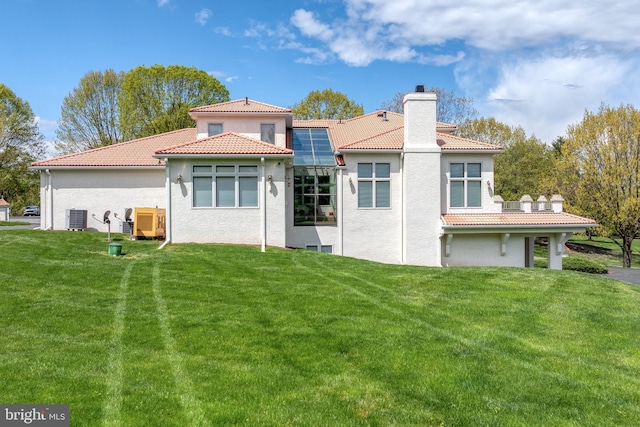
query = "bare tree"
x=449 y=108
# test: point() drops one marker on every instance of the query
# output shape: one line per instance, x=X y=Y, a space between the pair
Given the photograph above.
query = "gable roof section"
x=240 y=106
x=3 y=202
x=136 y=153
x=224 y=144
x=534 y=219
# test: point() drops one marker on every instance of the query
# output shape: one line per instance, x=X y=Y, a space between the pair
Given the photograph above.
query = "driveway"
x=34 y=222
x=631 y=275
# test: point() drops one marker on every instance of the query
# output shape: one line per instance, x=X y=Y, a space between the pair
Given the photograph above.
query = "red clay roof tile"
x=240 y=106
x=225 y=143
x=138 y=152
x=515 y=218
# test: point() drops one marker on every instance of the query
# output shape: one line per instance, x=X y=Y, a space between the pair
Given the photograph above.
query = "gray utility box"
x=76 y=219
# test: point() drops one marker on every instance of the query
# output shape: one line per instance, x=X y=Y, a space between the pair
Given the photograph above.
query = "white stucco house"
x=387 y=187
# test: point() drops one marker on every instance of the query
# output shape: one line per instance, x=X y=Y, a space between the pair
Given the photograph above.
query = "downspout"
x=50 y=201
x=263 y=207
x=340 y=196
x=167 y=230
x=403 y=232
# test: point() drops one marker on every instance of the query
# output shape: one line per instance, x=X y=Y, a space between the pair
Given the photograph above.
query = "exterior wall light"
x=179 y=179
x=270 y=179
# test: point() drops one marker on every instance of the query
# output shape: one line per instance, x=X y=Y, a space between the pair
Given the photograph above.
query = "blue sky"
x=537 y=64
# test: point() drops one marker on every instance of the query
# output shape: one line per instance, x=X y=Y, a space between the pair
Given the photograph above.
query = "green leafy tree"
x=90 y=114
x=524 y=165
x=600 y=163
x=157 y=99
x=20 y=144
x=491 y=131
x=450 y=108
x=326 y=104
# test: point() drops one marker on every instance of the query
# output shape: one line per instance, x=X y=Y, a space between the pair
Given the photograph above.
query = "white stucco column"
x=556 y=249
x=421 y=198
x=50 y=198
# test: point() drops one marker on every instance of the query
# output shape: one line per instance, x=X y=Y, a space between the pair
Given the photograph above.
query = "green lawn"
x=227 y=335
x=605 y=250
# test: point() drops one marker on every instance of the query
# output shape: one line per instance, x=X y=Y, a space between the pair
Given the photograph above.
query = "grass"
x=226 y=335
x=12 y=223
x=604 y=250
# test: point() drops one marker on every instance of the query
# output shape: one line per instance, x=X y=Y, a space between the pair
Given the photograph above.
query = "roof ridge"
x=236 y=101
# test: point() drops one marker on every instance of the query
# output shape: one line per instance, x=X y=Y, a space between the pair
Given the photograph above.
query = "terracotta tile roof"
x=515 y=218
x=138 y=152
x=452 y=142
x=314 y=123
x=240 y=106
x=390 y=140
x=3 y=202
x=225 y=143
x=372 y=132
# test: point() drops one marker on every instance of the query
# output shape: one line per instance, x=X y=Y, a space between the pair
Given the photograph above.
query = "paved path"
x=631 y=275
x=33 y=220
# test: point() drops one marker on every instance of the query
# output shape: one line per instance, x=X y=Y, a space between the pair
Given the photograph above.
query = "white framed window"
x=268 y=133
x=214 y=129
x=374 y=185
x=314 y=195
x=327 y=249
x=465 y=185
x=225 y=186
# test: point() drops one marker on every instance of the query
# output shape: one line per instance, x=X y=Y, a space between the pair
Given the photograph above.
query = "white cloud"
x=310 y=26
x=221 y=75
x=46 y=124
x=162 y=3
x=225 y=31
x=203 y=16
x=535 y=63
x=547 y=93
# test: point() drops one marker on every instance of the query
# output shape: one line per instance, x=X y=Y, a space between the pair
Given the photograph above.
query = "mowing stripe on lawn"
x=193 y=407
x=113 y=401
x=444 y=332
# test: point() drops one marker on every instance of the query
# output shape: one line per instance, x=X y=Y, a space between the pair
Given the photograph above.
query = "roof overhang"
x=368 y=150
x=467 y=151
x=88 y=167
x=516 y=229
x=222 y=156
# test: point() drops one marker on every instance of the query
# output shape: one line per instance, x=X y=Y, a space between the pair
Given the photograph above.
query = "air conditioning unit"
x=76 y=219
x=126 y=227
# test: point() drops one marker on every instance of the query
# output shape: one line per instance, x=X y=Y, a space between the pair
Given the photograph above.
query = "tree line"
x=595 y=166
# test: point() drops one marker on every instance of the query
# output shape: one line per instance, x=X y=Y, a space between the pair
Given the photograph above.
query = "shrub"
x=577 y=263
x=586 y=265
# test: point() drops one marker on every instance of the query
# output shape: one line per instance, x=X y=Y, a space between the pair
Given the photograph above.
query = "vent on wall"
x=76 y=219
